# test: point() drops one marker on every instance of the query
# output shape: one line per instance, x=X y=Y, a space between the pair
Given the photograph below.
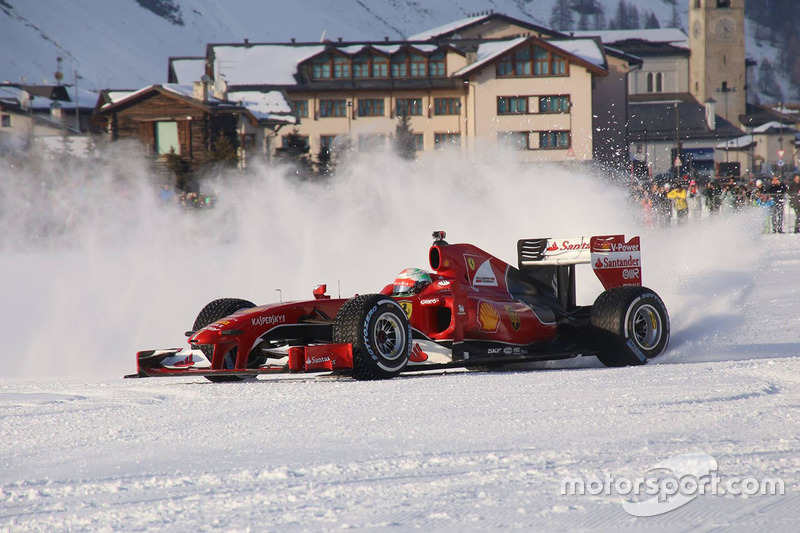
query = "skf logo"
x=513 y=317
x=407 y=307
x=488 y=317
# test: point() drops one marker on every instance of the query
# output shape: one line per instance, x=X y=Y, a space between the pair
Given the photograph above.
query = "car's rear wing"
x=615 y=261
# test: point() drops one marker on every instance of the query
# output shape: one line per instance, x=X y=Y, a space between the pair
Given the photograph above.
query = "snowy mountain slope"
x=125 y=45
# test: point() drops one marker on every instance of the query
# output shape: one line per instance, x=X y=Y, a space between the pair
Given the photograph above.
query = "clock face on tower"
x=697 y=29
x=725 y=28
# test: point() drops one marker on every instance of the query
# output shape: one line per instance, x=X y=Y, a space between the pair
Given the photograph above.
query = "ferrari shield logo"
x=407 y=307
x=513 y=317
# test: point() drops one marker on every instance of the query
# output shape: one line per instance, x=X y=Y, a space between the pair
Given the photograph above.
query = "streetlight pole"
x=780 y=140
x=725 y=90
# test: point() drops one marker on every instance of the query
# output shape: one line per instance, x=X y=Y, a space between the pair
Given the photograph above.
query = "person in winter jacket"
x=777 y=191
x=678 y=197
x=794 y=200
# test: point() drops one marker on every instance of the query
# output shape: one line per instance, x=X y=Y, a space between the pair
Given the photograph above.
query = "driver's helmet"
x=411 y=281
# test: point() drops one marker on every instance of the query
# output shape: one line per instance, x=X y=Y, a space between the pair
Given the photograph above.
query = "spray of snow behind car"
x=95 y=267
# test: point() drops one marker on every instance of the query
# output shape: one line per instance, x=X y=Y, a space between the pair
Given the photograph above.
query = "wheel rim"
x=646 y=327
x=389 y=336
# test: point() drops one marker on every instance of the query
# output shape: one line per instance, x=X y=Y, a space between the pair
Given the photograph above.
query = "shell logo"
x=488 y=317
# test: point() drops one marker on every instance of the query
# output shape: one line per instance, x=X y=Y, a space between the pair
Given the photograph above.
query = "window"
x=326 y=143
x=419 y=142
x=655 y=82
x=370 y=107
x=167 y=138
x=6 y=121
x=441 y=140
x=518 y=140
x=532 y=60
x=341 y=67
x=380 y=67
x=333 y=108
x=512 y=105
x=723 y=3
x=554 y=104
x=554 y=139
x=361 y=68
x=418 y=66
x=542 y=61
x=321 y=71
x=436 y=66
x=300 y=108
x=446 y=106
x=409 y=106
x=399 y=69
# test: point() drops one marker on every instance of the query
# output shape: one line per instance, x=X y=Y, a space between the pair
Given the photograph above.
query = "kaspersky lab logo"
x=671 y=484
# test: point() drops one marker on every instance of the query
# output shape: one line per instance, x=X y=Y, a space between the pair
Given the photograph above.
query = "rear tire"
x=377 y=328
x=216 y=310
x=629 y=326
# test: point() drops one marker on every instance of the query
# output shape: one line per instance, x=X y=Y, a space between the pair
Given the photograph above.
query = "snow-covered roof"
x=446 y=28
x=271 y=105
x=116 y=96
x=489 y=51
x=773 y=125
x=188 y=69
x=186 y=91
x=737 y=144
x=260 y=64
x=672 y=36
x=584 y=49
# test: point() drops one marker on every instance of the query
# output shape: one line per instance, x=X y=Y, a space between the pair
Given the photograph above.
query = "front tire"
x=629 y=325
x=377 y=328
x=213 y=311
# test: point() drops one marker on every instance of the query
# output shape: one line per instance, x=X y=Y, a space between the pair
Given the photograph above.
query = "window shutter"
x=148 y=136
x=533 y=104
x=185 y=137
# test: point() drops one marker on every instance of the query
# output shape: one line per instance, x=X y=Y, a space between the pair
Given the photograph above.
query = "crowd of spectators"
x=677 y=201
x=189 y=200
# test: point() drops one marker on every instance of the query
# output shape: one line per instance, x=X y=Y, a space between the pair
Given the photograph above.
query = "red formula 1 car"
x=471 y=310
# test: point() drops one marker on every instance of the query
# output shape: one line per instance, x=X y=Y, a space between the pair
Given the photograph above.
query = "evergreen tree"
x=223 y=153
x=295 y=152
x=405 y=144
x=325 y=164
x=651 y=21
x=768 y=81
x=675 y=21
x=561 y=17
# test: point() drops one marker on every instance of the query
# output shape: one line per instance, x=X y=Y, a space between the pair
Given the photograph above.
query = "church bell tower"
x=717 y=61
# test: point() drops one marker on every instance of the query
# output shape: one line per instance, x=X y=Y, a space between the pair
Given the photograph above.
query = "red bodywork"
x=476 y=303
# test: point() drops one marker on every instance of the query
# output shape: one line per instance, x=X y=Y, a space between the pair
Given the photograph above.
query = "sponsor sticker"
x=270 y=320
x=488 y=317
x=513 y=316
x=407 y=306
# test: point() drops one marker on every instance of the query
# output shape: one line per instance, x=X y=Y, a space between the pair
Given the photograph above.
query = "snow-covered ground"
x=84 y=449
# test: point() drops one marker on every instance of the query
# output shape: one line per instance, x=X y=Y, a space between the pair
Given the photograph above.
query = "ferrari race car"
x=471 y=310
